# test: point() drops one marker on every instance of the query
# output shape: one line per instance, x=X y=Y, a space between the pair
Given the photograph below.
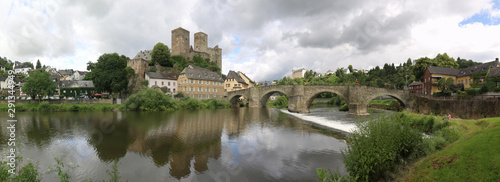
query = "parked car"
x=29 y=98
x=71 y=98
x=23 y=98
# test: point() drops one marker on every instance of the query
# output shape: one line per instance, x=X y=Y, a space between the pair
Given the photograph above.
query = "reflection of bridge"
x=300 y=97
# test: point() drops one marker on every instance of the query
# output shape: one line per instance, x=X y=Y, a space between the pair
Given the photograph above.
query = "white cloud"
x=263 y=39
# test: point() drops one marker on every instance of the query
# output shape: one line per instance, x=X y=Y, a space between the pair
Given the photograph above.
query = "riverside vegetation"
x=411 y=147
x=144 y=100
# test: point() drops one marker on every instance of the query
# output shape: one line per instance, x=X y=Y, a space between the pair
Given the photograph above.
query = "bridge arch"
x=235 y=99
x=315 y=94
x=399 y=99
x=265 y=96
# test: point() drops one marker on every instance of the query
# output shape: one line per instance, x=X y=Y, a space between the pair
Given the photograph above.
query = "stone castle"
x=180 y=46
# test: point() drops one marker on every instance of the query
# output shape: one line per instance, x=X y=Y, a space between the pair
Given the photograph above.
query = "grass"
x=473 y=157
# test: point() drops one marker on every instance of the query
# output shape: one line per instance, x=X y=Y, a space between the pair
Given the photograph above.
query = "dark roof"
x=195 y=72
x=299 y=70
x=82 y=84
x=156 y=75
x=3 y=78
x=494 y=72
x=414 y=83
x=477 y=69
x=23 y=65
x=146 y=55
x=236 y=76
x=443 y=71
x=66 y=72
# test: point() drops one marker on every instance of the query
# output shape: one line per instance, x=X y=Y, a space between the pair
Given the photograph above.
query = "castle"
x=180 y=46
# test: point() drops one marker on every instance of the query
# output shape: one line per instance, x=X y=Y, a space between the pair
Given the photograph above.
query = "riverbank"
x=473 y=157
x=45 y=106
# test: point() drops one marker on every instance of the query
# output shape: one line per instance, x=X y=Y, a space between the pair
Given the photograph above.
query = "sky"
x=264 y=39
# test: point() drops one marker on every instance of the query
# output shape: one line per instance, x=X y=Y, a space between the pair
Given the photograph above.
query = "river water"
x=246 y=144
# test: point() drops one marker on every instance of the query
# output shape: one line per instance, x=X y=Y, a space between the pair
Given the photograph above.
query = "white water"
x=335 y=124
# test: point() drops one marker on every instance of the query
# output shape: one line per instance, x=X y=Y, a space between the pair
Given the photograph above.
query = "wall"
x=465 y=80
x=185 y=88
x=139 y=66
x=468 y=109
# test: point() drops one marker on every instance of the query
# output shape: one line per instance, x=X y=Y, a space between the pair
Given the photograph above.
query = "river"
x=246 y=144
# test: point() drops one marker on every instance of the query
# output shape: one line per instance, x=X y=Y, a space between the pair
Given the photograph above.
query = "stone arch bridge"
x=300 y=97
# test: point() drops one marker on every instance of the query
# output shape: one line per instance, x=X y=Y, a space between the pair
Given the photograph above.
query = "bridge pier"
x=297 y=104
x=358 y=109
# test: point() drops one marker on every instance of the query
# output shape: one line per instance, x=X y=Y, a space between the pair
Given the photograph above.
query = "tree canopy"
x=109 y=73
x=161 y=55
x=39 y=83
x=38 y=65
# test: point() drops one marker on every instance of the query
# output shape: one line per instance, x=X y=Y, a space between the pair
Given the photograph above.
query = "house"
x=76 y=88
x=51 y=70
x=416 y=87
x=159 y=80
x=495 y=75
x=298 y=73
x=200 y=83
x=237 y=81
x=464 y=76
x=22 y=68
x=66 y=75
x=329 y=72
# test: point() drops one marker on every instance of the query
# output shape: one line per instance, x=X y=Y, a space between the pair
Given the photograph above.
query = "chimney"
x=496 y=59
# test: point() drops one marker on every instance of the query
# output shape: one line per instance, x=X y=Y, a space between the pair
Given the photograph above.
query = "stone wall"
x=467 y=109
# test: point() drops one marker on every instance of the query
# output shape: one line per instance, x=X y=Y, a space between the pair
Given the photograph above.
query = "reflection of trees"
x=185 y=136
x=110 y=138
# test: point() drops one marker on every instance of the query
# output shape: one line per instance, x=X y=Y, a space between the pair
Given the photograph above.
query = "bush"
x=344 y=107
x=378 y=146
x=44 y=106
x=280 y=102
x=150 y=100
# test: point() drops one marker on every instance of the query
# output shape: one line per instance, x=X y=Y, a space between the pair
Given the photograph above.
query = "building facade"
x=416 y=87
x=180 y=46
x=464 y=77
x=237 y=81
x=160 y=80
x=200 y=83
x=298 y=73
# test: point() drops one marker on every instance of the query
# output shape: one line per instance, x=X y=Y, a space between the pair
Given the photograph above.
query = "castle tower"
x=200 y=42
x=180 y=42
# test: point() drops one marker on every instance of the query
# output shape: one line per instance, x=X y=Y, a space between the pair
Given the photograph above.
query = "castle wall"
x=180 y=42
x=200 y=42
x=139 y=66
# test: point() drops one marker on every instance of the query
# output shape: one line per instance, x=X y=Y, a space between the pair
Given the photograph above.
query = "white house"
x=159 y=80
x=22 y=68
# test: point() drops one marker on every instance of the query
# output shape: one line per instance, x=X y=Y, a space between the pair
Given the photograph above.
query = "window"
x=215 y=89
x=200 y=82
x=185 y=89
x=162 y=83
x=174 y=83
x=208 y=82
x=208 y=96
x=235 y=85
x=155 y=83
x=207 y=89
x=192 y=95
x=191 y=89
x=470 y=81
x=220 y=84
x=466 y=81
x=228 y=85
x=215 y=83
x=168 y=84
x=192 y=81
x=200 y=89
x=174 y=90
x=199 y=96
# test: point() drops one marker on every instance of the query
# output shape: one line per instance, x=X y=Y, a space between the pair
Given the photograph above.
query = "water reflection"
x=205 y=145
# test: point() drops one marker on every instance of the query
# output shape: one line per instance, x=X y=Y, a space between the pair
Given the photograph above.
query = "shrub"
x=344 y=107
x=378 y=146
x=280 y=102
x=44 y=106
x=329 y=176
x=28 y=172
x=150 y=100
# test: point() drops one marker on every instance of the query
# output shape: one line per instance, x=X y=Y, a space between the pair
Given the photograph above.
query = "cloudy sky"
x=264 y=39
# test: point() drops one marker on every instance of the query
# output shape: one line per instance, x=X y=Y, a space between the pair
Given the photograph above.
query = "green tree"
x=161 y=55
x=180 y=61
x=90 y=67
x=39 y=84
x=420 y=66
x=445 y=84
x=351 y=70
x=464 y=63
x=200 y=62
x=110 y=74
x=38 y=65
x=443 y=60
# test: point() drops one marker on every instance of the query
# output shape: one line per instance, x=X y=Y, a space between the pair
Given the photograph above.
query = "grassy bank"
x=385 y=104
x=474 y=157
x=45 y=106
